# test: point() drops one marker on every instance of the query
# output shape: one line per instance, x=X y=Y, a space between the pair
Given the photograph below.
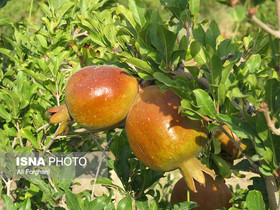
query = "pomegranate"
x=215 y=194
x=97 y=97
x=226 y=144
x=164 y=140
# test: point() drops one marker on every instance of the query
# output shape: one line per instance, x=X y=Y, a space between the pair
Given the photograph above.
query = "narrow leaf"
x=138 y=11
x=194 y=5
x=144 y=66
x=198 y=53
x=205 y=102
x=72 y=201
x=26 y=133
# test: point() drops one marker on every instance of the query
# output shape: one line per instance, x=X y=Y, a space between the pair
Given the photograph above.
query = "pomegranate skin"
x=215 y=194
x=164 y=140
x=227 y=145
x=99 y=97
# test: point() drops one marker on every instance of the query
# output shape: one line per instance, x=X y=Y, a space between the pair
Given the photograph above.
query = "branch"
x=188 y=27
x=8 y=185
x=254 y=165
x=264 y=108
x=277 y=3
x=203 y=81
x=265 y=26
x=273 y=192
x=100 y=163
x=43 y=127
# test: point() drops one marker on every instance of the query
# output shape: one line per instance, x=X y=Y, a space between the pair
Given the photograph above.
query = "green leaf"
x=164 y=79
x=254 y=63
x=185 y=205
x=3 y=3
x=26 y=205
x=45 y=9
x=238 y=13
x=199 y=34
x=236 y=93
x=97 y=204
x=194 y=6
x=212 y=34
x=153 y=205
x=42 y=40
x=71 y=200
x=45 y=188
x=222 y=165
x=9 y=54
x=142 y=204
x=144 y=66
x=227 y=47
x=64 y=9
x=271 y=88
x=127 y=14
x=190 y=110
x=26 y=133
x=215 y=66
x=198 y=53
x=125 y=203
x=9 y=203
x=108 y=182
x=225 y=73
x=252 y=79
x=205 y=103
x=254 y=200
x=221 y=94
x=164 y=41
x=138 y=11
x=4 y=114
x=12 y=100
x=217 y=146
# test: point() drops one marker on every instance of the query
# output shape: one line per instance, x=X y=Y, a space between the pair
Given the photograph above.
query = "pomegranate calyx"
x=60 y=115
x=192 y=169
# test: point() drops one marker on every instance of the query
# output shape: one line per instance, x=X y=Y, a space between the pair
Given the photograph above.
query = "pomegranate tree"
x=164 y=140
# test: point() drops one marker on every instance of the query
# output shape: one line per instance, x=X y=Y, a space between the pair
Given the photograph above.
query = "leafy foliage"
x=152 y=44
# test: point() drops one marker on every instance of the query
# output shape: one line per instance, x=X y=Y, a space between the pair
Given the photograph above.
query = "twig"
x=275 y=33
x=203 y=81
x=188 y=27
x=46 y=148
x=51 y=182
x=135 y=51
x=265 y=27
x=97 y=143
x=8 y=185
x=100 y=163
x=81 y=130
x=277 y=3
x=241 y=114
x=43 y=127
x=19 y=136
x=73 y=136
x=264 y=108
x=227 y=57
x=76 y=34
